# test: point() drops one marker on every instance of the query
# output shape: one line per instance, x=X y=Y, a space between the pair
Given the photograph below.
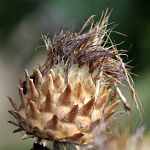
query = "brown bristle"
x=14 y=114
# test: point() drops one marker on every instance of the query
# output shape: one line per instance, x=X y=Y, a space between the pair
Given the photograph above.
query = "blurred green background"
x=23 y=21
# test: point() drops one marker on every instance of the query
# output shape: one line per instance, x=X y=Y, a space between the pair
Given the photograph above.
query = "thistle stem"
x=37 y=146
x=56 y=145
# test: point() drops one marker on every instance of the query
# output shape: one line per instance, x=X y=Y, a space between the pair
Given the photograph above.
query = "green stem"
x=56 y=145
x=37 y=146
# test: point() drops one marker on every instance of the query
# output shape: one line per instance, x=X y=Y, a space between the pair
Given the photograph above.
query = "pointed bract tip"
x=38 y=77
x=12 y=103
x=33 y=111
x=34 y=93
x=86 y=109
x=23 y=100
x=71 y=116
x=53 y=123
x=47 y=105
x=66 y=98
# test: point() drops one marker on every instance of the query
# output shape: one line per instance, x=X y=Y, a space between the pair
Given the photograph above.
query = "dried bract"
x=76 y=90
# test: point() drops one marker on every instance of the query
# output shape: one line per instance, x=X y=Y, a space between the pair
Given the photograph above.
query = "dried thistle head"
x=76 y=91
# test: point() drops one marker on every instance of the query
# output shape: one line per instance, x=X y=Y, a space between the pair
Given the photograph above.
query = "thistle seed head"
x=76 y=90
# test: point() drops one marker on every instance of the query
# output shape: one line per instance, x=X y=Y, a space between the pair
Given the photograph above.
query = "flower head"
x=76 y=90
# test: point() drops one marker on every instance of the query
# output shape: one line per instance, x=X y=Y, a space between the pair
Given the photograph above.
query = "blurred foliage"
x=11 y=12
x=23 y=21
x=132 y=16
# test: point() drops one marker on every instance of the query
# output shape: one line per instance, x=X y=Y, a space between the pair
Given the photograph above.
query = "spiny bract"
x=76 y=90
